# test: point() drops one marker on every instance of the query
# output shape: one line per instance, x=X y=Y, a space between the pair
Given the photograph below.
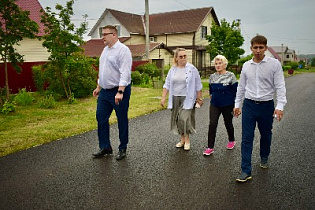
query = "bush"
x=294 y=65
x=286 y=68
x=7 y=107
x=23 y=98
x=150 y=69
x=48 y=102
x=136 y=78
x=77 y=76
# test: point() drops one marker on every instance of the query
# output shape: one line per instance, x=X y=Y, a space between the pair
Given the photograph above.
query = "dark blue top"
x=222 y=88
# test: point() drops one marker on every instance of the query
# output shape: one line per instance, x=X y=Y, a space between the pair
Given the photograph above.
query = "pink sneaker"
x=208 y=151
x=230 y=145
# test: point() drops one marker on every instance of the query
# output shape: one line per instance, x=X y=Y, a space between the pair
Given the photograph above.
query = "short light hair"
x=111 y=27
x=221 y=58
x=176 y=54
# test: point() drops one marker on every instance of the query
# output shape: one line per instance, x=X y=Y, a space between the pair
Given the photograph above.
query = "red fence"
x=25 y=78
x=19 y=81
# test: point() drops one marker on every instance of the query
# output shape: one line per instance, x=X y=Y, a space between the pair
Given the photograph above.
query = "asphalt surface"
x=156 y=175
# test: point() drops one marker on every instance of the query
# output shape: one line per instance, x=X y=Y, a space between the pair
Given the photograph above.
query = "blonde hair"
x=176 y=54
x=221 y=58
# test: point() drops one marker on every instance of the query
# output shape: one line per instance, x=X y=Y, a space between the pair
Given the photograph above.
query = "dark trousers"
x=215 y=113
x=105 y=106
x=262 y=114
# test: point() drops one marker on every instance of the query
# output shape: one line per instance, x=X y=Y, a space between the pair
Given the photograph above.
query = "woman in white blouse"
x=184 y=86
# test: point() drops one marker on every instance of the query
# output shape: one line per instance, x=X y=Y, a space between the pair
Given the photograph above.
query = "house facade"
x=282 y=53
x=186 y=29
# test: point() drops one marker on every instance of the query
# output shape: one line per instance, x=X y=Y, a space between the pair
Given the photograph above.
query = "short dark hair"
x=111 y=27
x=259 y=39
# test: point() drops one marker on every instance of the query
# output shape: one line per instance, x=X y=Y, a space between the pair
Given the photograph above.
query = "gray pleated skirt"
x=182 y=120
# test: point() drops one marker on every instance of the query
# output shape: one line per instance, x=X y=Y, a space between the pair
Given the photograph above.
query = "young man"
x=260 y=77
x=113 y=91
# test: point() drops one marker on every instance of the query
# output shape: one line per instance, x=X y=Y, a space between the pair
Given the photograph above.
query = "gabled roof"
x=185 y=21
x=275 y=55
x=94 y=47
x=279 y=49
x=132 y=22
x=34 y=7
x=138 y=50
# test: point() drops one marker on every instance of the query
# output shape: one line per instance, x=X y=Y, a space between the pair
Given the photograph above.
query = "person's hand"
x=162 y=102
x=96 y=91
x=237 y=112
x=199 y=101
x=278 y=114
x=118 y=98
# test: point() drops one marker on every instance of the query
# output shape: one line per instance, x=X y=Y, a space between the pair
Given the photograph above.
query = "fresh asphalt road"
x=156 y=175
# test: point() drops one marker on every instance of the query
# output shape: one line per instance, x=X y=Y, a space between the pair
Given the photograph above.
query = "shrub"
x=286 y=68
x=48 y=102
x=23 y=98
x=7 y=107
x=145 y=79
x=77 y=76
x=294 y=65
x=136 y=78
x=150 y=69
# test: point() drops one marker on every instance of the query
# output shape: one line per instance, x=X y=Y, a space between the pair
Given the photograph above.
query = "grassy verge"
x=31 y=126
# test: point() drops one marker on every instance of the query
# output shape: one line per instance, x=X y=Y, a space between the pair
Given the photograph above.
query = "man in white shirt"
x=260 y=78
x=113 y=91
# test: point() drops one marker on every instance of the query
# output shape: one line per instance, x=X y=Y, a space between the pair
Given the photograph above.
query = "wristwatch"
x=120 y=91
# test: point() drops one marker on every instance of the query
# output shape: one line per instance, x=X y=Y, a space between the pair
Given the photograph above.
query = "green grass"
x=31 y=125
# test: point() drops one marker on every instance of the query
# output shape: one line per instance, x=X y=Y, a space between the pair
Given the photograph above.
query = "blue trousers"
x=105 y=106
x=262 y=114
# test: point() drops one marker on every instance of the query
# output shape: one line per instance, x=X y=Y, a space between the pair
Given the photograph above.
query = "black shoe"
x=121 y=154
x=244 y=177
x=102 y=152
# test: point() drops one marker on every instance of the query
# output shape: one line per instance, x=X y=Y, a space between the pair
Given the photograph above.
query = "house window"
x=203 y=32
x=153 y=39
x=100 y=31
x=288 y=56
x=118 y=30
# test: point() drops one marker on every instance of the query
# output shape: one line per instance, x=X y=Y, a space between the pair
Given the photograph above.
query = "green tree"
x=313 y=62
x=15 y=25
x=63 y=41
x=226 y=40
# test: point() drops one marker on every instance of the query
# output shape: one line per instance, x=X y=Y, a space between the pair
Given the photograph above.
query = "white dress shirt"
x=259 y=81
x=193 y=84
x=115 y=66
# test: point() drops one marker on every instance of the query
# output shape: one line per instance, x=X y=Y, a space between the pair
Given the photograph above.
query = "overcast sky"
x=287 y=22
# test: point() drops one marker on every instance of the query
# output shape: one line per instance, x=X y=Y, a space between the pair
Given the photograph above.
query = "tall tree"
x=63 y=41
x=226 y=40
x=15 y=25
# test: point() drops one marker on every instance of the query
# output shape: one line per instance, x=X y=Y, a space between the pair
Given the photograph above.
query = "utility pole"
x=147 y=34
x=282 y=54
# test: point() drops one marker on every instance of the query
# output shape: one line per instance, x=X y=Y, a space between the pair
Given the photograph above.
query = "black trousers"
x=215 y=113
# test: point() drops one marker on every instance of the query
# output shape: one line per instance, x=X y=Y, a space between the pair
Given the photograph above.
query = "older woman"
x=184 y=86
x=222 y=88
